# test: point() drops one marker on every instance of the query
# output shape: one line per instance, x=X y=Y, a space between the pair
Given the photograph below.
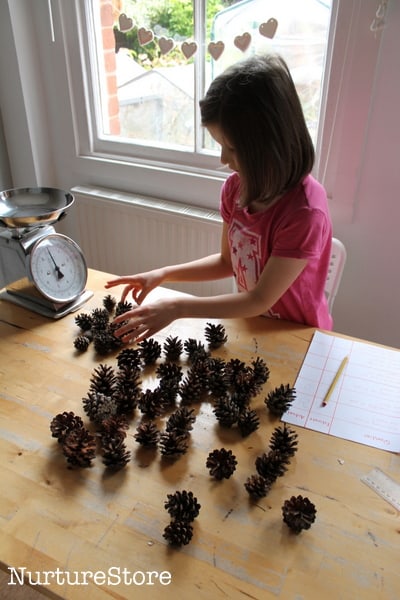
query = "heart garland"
x=188 y=49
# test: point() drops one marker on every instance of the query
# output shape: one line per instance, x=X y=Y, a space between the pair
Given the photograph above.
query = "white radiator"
x=122 y=233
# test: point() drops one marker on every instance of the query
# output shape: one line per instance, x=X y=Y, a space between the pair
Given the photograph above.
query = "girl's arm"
x=278 y=275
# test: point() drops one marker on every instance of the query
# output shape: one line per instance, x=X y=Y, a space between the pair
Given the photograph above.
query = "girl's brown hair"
x=256 y=105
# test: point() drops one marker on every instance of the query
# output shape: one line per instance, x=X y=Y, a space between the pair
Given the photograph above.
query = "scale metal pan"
x=33 y=207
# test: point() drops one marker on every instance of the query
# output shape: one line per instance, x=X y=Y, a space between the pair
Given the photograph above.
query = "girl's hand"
x=144 y=321
x=139 y=285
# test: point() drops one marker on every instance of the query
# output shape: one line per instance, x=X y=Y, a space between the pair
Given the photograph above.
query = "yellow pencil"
x=335 y=380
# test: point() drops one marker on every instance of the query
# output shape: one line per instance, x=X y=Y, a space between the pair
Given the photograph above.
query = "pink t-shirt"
x=297 y=226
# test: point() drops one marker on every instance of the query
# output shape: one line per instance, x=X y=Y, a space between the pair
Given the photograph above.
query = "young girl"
x=276 y=235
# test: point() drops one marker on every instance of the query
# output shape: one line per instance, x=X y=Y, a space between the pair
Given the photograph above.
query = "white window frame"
x=55 y=142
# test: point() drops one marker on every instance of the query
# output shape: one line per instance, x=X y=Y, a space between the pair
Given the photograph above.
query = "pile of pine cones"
x=116 y=395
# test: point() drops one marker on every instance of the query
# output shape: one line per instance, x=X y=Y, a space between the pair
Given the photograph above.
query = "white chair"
x=335 y=271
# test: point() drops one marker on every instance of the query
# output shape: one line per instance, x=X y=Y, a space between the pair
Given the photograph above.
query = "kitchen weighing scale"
x=40 y=270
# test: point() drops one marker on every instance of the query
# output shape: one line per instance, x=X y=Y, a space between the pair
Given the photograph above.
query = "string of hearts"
x=188 y=49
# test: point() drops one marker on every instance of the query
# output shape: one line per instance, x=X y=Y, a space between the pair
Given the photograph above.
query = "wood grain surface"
x=75 y=520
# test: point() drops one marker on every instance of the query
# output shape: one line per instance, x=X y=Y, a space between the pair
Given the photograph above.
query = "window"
x=150 y=61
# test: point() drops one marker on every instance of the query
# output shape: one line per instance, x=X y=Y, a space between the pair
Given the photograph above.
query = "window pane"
x=154 y=59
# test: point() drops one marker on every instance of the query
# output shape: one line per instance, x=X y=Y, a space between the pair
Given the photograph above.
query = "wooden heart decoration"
x=269 y=28
x=242 y=41
x=216 y=49
x=145 y=36
x=166 y=44
x=125 y=23
x=188 y=49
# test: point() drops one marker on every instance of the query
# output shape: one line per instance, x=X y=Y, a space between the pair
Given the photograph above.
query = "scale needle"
x=60 y=275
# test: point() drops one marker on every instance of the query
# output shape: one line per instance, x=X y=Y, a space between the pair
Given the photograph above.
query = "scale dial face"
x=58 y=268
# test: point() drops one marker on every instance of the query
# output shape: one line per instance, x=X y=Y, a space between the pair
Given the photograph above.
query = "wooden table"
x=77 y=520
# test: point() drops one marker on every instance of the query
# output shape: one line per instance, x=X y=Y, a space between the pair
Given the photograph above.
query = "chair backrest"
x=335 y=271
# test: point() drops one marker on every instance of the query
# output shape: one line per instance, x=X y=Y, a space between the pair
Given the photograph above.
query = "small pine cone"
x=248 y=422
x=151 y=403
x=79 y=447
x=100 y=319
x=173 y=348
x=104 y=341
x=182 y=506
x=81 y=343
x=272 y=465
x=63 y=423
x=195 y=350
x=173 y=445
x=233 y=368
x=221 y=463
x=84 y=321
x=178 y=533
x=181 y=421
x=122 y=307
x=109 y=303
x=280 y=399
x=115 y=453
x=99 y=407
x=226 y=411
x=147 y=434
x=261 y=371
x=257 y=486
x=150 y=351
x=169 y=371
x=103 y=380
x=191 y=388
x=298 y=513
x=284 y=439
x=215 y=335
x=129 y=357
x=114 y=425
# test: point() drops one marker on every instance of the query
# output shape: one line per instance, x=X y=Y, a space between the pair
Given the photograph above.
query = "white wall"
x=368 y=302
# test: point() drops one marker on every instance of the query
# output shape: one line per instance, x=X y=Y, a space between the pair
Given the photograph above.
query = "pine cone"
x=147 y=434
x=191 y=388
x=109 y=303
x=104 y=341
x=151 y=403
x=182 y=506
x=261 y=371
x=122 y=308
x=226 y=411
x=81 y=343
x=181 y=421
x=103 y=380
x=272 y=465
x=217 y=383
x=100 y=319
x=127 y=389
x=195 y=350
x=99 y=407
x=221 y=463
x=178 y=533
x=115 y=453
x=114 y=425
x=173 y=445
x=129 y=357
x=63 y=423
x=79 y=447
x=280 y=399
x=150 y=351
x=298 y=513
x=257 y=486
x=84 y=321
x=284 y=439
x=248 y=422
x=215 y=335
x=173 y=348
x=233 y=368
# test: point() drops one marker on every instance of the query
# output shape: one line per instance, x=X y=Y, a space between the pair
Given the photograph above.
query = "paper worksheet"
x=365 y=404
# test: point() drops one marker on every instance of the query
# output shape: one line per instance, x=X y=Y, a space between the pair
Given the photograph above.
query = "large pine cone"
x=173 y=445
x=173 y=348
x=284 y=439
x=226 y=411
x=221 y=463
x=150 y=351
x=103 y=380
x=79 y=447
x=63 y=423
x=182 y=506
x=280 y=399
x=147 y=434
x=272 y=465
x=181 y=421
x=248 y=421
x=215 y=335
